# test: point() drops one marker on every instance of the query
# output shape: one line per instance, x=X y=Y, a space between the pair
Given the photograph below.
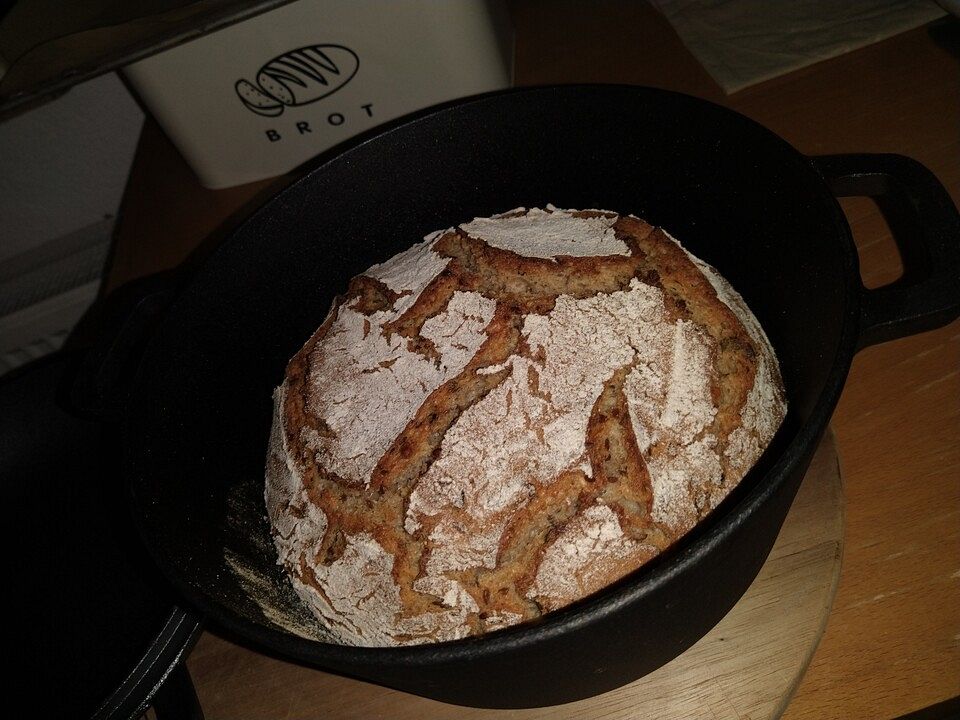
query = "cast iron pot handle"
x=926 y=227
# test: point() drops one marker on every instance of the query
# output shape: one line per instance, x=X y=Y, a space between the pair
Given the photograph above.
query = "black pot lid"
x=95 y=630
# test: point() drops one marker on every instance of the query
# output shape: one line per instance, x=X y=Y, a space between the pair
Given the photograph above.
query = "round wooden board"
x=748 y=666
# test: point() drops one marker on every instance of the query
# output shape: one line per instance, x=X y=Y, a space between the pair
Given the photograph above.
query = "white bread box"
x=258 y=98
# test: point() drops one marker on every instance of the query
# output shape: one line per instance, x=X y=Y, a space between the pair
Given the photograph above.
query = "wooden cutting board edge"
x=748 y=666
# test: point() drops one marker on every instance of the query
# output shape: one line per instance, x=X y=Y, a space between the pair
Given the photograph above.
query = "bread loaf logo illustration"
x=298 y=77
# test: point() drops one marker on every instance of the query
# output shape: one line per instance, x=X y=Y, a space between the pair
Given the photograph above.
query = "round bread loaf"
x=507 y=417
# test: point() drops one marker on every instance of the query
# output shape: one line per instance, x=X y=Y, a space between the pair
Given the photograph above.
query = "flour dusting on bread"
x=507 y=417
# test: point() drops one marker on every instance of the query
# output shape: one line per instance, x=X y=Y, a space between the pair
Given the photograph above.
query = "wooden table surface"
x=892 y=643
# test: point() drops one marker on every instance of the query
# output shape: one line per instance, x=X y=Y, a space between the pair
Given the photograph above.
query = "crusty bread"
x=506 y=418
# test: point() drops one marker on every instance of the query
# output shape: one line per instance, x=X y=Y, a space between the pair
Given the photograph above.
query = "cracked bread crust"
x=506 y=418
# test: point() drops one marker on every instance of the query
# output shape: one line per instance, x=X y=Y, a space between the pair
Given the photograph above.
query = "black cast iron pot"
x=735 y=194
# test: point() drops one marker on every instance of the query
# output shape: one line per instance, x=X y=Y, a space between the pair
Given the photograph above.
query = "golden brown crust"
x=549 y=513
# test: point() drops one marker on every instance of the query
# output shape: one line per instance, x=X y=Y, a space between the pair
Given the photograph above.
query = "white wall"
x=63 y=165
